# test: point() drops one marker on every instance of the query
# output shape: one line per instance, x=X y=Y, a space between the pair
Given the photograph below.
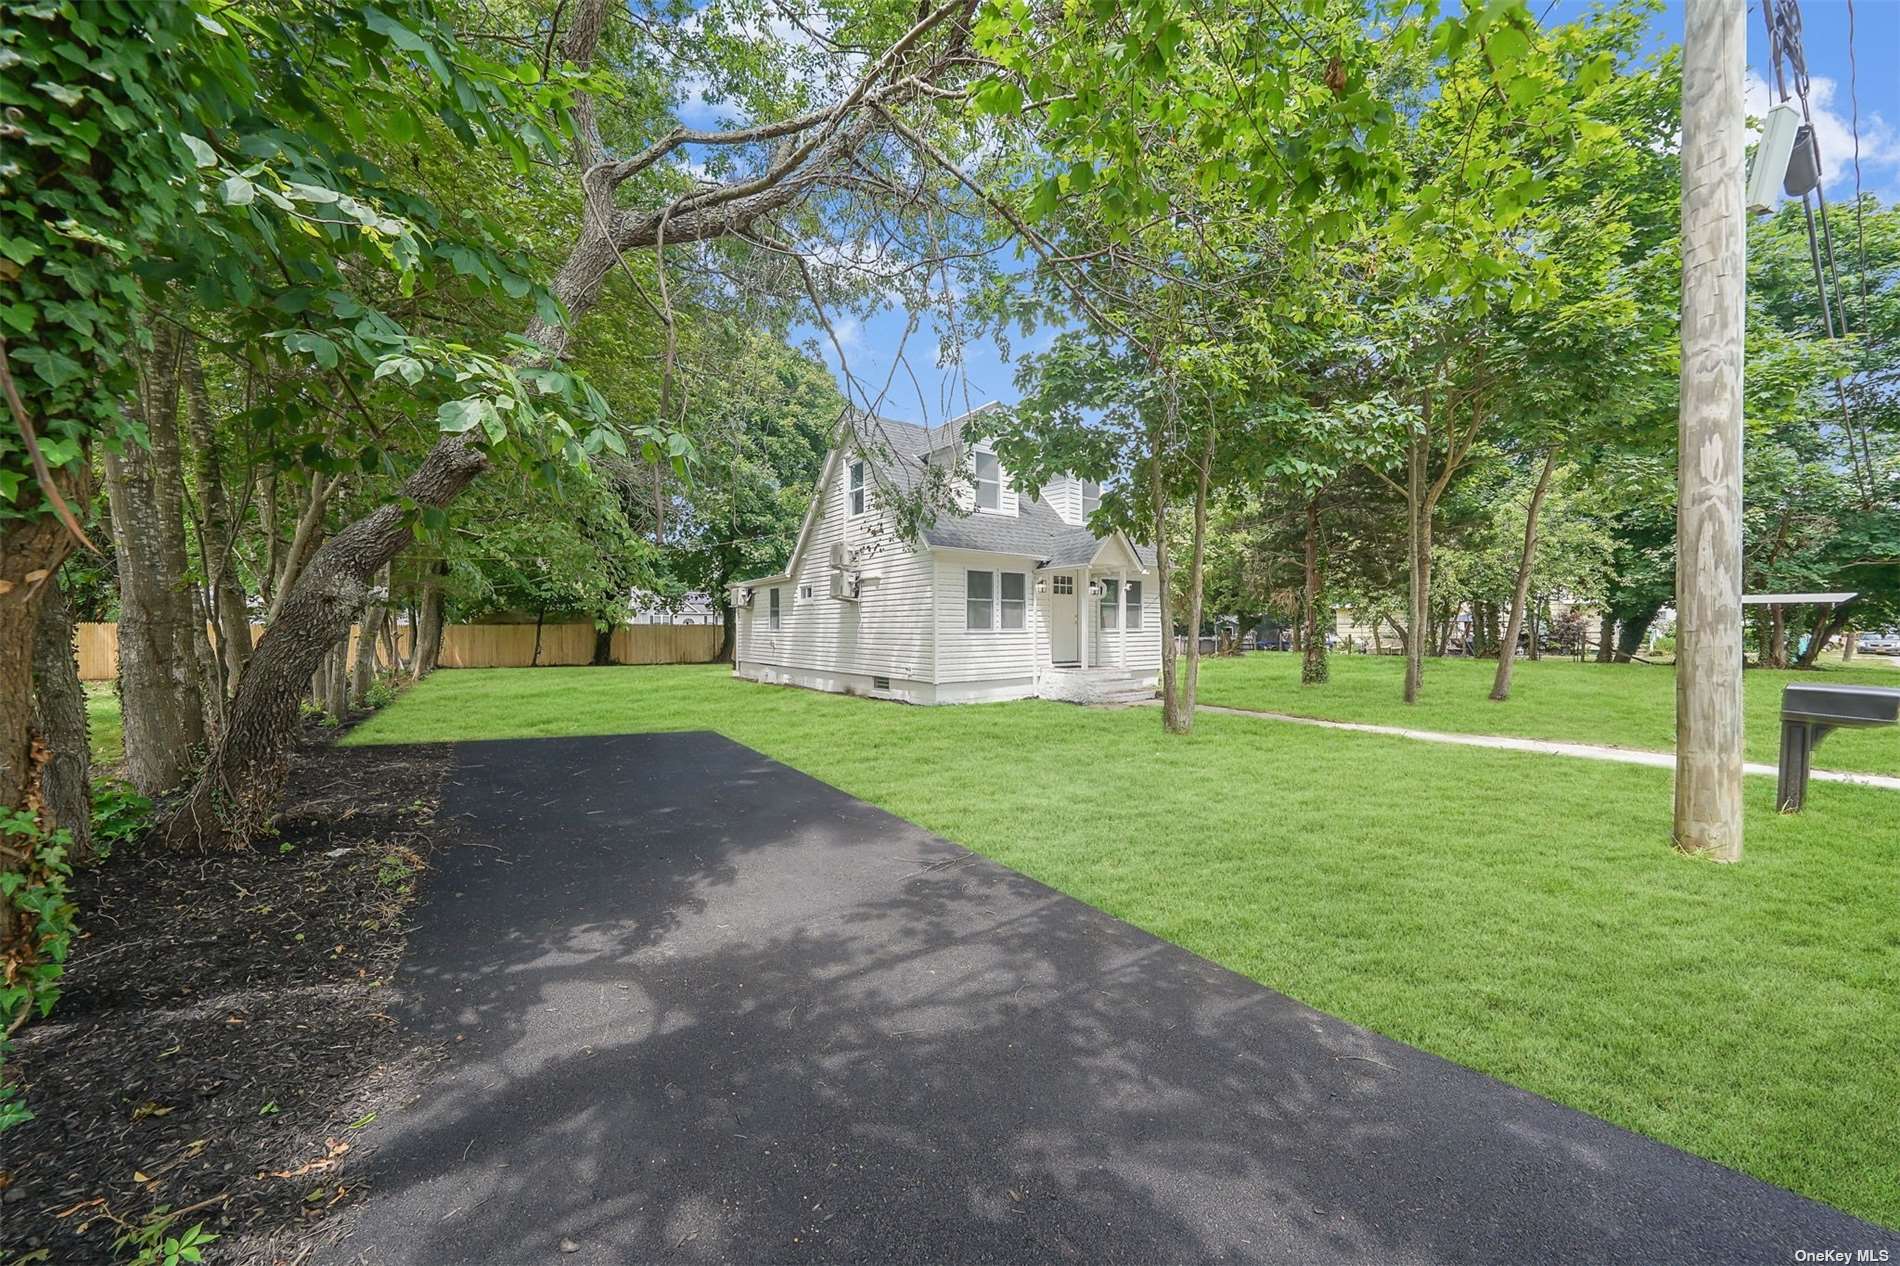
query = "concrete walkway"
x=1587 y=751
x=701 y=1008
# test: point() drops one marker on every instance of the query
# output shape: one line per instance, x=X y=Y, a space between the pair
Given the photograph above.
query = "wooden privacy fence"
x=486 y=645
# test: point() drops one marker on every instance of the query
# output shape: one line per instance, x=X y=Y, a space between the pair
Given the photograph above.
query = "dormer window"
x=989 y=482
x=857 y=488
x=1091 y=499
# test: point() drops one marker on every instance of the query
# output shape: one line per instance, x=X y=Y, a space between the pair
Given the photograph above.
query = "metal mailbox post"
x=1808 y=714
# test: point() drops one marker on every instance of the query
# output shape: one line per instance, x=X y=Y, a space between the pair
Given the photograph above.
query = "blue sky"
x=983 y=375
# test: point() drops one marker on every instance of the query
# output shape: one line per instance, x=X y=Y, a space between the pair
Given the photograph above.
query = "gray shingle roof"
x=1034 y=531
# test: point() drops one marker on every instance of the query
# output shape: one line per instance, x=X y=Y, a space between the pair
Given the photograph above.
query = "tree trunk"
x=59 y=720
x=1520 y=592
x=218 y=548
x=31 y=550
x=1313 y=667
x=603 y=642
x=1158 y=508
x=235 y=796
x=1708 y=807
x=1419 y=614
x=429 y=622
x=1606 y=638
x=1537 y=643
x=729 y=634
x=1849 y=639
x=336 y=680
x=540 y=616
x=1827 y=624
x=1196 y=585
x=158 y=658
x=363 y=667
x=1775 y=652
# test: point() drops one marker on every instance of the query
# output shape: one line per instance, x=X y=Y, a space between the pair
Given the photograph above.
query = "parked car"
x=1887 y=643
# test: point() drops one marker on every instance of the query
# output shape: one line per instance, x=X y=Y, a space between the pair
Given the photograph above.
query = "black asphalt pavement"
x=701 y=1007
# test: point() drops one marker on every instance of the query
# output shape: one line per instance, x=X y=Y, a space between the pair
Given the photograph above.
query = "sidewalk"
x=1587 y=751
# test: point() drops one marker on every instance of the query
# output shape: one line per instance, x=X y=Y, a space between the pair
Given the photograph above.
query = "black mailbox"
x=1808 y=713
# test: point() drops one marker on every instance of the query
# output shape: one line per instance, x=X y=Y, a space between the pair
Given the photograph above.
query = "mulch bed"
x=226 y=1026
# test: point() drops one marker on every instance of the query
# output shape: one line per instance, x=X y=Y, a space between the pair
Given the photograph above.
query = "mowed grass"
x=1619 y=705
x=1520 y=914
x=105 y=724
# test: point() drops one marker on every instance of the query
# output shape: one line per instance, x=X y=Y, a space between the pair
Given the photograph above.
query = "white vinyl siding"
x=1110 y=603
x=776 y=621
x=859 y=496
x=1133 y=605
x=994 y=653
x=887 y=632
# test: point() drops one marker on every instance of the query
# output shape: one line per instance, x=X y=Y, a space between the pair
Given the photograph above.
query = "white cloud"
x=1833 y=128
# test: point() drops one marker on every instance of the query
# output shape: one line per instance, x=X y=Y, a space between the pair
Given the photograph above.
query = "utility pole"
x=1708 y=818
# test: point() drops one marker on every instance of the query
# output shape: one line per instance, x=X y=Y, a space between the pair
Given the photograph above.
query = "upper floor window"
x=775 y=593
x=1134 y=604
x=1091 y=499
x=1111 y=603
x=989 y=482
x=857 y=488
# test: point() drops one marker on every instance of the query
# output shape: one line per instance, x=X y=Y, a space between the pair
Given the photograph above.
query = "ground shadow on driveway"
x=704 y=1008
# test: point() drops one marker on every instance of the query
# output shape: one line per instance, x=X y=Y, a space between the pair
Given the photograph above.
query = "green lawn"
x=107 y=727
x=1520 y=914
x=1623 y=705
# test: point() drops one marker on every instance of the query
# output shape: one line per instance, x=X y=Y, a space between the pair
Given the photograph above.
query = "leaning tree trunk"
x=235 y=796
x=1520 y=592
x=59 y=719
x=1313 y=667
x=1606 y=638
x=1848 y=639
x=158 y=656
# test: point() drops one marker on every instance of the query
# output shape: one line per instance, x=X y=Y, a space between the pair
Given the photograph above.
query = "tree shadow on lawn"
x=702 y=1007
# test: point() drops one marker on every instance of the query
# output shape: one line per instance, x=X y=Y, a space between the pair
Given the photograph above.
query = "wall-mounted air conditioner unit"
x=844 y=586
x=743 y=597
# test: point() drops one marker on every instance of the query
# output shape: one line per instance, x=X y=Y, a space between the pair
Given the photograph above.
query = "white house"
x=1005 y=597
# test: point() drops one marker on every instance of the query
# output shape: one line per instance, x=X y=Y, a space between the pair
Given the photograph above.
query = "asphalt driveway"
x=701 y=1007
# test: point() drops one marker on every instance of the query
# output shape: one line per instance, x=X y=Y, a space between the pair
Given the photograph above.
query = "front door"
x=1064 y=645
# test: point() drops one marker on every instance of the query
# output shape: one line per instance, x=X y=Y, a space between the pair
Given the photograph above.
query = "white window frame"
x=773 y=603
x=1088 y=496
x=804 y=593
x=970 y=601
x=1131 y=602
x=857 y=494
x=1004 y=602
x=1110 y=604
x=976 y=473
x=1064 y=585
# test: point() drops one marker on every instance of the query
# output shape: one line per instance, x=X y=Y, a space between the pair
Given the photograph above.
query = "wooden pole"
x=1708 y=819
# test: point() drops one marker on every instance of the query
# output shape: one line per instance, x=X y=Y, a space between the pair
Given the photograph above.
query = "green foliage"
x=119 y=814
x=33 y=878
x=151 y=1244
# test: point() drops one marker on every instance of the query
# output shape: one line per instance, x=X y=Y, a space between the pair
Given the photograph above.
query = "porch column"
x=1082 y=604
x=1121 y=618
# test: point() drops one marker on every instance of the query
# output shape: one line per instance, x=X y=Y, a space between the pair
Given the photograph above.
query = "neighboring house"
x=647 y=607
x=1006 y=597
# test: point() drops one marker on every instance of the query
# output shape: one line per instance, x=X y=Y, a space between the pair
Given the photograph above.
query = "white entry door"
x=1064 y=642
